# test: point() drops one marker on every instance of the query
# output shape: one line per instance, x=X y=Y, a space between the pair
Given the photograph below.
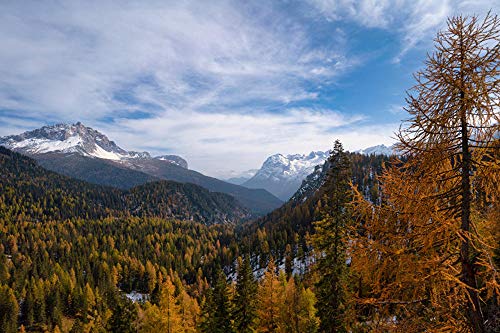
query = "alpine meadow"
x=322 y=187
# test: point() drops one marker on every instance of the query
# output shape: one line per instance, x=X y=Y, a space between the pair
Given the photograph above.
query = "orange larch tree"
x=426 y=252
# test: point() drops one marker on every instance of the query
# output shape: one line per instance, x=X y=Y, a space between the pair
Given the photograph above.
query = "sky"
x=223 y=84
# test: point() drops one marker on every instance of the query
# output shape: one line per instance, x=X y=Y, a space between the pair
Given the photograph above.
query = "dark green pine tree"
x=330 y=241
x=216 y=312
x=124 y=316
x=245 y=306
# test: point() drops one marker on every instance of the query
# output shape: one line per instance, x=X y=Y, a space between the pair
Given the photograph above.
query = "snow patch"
x=107 y=155
x=37 y=145
x=135 y=297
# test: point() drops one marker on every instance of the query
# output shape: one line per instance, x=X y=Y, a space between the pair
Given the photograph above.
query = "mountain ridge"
x=81 y=152
x=282 y=175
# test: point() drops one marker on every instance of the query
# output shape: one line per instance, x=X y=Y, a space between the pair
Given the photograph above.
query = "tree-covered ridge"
x=31 y=192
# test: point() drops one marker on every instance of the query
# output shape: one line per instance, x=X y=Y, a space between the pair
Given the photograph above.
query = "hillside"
x=29 y=190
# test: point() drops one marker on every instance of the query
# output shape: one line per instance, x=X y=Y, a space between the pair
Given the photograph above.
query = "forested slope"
x=30 y=192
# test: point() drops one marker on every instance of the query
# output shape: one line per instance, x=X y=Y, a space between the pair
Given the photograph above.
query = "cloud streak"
x=416 y=21
x=77 y=57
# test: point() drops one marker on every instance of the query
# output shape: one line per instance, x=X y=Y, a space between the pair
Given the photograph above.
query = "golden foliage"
x=425 y=255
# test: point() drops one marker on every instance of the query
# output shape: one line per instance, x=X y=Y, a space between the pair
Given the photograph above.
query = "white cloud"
x=217 y=143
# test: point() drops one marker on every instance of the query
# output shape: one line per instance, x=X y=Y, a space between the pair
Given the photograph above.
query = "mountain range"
x=239 y=178
x=81 y=152
x=84 y=153
x=283 y=175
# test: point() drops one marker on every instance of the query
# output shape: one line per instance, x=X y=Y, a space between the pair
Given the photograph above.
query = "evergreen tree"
x=330 y=243
x=189 y=312
x=216 y=316
x=298 y=312
x=245 y=305
x=123 y=317
x=425 y=254
x=452 y=136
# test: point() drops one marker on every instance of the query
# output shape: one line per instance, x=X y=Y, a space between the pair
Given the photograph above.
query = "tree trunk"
x=468 y=273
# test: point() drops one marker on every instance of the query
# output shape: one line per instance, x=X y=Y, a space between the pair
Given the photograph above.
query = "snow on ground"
x=36 y=145
x=135 y=297
x=107 y=155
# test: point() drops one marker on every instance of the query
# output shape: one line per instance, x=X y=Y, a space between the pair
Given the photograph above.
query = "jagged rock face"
x=75 y=138
x=80 y=139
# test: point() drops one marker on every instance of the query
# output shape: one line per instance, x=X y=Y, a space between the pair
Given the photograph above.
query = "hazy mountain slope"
x=105 y=172
x=257 y=200
x=238 y=178
x=93 y=170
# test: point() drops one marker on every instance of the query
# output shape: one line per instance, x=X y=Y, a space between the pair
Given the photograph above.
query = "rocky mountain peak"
x=76 y=138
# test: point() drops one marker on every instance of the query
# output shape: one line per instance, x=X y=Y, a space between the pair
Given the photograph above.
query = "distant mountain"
x=378 y=150
x=241 y=177
x=86 y=154
x=49 y=196
x=360 y=159
x=174 y=159
x=282 y=175
x=79 y=139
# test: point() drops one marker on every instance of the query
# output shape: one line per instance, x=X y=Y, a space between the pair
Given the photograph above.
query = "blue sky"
x=222 y=83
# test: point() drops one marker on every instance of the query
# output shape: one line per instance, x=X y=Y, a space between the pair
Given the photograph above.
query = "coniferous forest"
x=407 y=243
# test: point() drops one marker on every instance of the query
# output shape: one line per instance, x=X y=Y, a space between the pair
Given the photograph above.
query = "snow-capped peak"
x=378 y=150
x=76 y=138
x=290 y=166
x=282 y=175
